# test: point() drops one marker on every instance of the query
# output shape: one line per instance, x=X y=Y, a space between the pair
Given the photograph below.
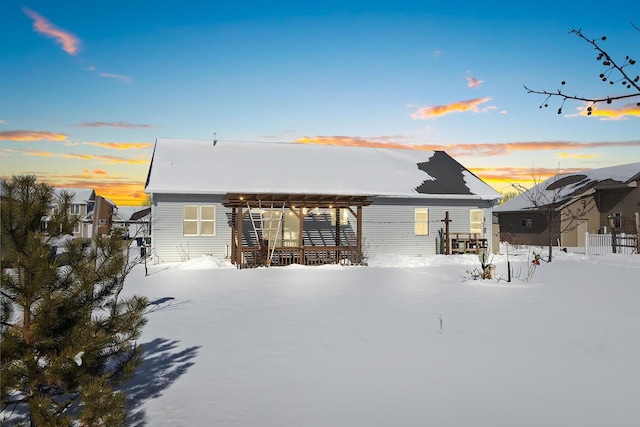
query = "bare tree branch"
x=612 y=68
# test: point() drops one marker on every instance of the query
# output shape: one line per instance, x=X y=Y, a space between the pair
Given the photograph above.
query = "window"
x=476 y=220
x=199 y=220
x=344 y=216
x=527 y=223
x=421 y=224
x=77 y=227
x=74 y=209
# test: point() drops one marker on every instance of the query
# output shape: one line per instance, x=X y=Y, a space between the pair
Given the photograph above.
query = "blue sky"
x=86 y=87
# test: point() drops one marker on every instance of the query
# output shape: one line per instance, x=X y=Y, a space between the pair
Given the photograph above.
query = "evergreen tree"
x=68 y=341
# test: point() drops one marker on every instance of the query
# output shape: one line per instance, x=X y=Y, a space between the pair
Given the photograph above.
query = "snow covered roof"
x=130 y=213
x=81 y=195
x=562 y=188
x=199 y=166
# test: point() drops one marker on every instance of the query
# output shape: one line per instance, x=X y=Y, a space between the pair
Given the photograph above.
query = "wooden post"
x=360 y=255
x=338 y=235
x=301 y=216
x=239 y=250
x=234 y=220
x=446 y=220
x=637 y=215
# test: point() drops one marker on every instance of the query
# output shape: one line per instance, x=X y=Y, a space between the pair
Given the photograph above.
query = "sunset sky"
x=86 y=87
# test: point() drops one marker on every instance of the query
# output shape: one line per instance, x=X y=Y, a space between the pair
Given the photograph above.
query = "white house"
x=311 y=204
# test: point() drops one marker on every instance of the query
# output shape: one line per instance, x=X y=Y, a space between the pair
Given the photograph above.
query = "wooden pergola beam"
x=294 y=200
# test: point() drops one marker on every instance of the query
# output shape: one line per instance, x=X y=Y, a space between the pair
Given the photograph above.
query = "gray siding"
x=388 y=224
x=168 y=242
x=388 y=227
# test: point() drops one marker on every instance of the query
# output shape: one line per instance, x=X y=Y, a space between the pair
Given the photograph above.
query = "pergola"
x=300 y=205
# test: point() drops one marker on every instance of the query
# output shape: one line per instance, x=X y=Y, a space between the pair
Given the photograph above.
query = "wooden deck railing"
x=465 y=243
x=307 y=255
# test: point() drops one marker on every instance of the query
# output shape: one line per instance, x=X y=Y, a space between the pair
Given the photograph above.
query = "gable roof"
x=80 y=195
x=563 y=188
x=130 y=213
x=199 y=167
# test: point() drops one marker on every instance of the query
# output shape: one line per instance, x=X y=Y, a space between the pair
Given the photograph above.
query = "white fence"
x=601 y=244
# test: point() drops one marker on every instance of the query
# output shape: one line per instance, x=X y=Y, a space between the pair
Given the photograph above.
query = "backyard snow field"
x=364 y=346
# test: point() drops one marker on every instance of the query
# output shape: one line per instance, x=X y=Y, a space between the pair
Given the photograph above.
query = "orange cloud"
x=121 y=160
x=456 y=107
x=610 y=113
x=466 y=150
x=95 y=171
x=125 y=79
x=359 y=142
x=577 y=156
x=31 y=135
x=69 y=42
x=121 y=145
x=122 y=191
x=123 y=125
x=78 y=156
x=473 y=82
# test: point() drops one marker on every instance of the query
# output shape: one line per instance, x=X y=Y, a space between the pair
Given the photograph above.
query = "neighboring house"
x=82 y=205
x=94 y=211
x=308 y=204
x=592 y=201
x=133 y=220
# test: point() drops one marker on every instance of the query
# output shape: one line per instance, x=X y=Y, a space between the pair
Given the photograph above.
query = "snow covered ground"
x=363 y=346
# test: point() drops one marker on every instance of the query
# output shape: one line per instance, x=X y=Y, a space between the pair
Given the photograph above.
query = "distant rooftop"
x=563 y=187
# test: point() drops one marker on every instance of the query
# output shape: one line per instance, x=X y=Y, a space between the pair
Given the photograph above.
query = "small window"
x=77 y=227
x=199 y=220
x=476 y=220
x=527 y=223
x=421 y=224
x=74 y=209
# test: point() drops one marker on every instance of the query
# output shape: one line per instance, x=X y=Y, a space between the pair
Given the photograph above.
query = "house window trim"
x=199 y=220
x=417 y=223
x=480 y=224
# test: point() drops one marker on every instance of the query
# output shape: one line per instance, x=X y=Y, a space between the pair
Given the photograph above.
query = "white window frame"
x=74 y=209
x=77 y=228
x=475 y=226
x=421 y=226
x=199 y=220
